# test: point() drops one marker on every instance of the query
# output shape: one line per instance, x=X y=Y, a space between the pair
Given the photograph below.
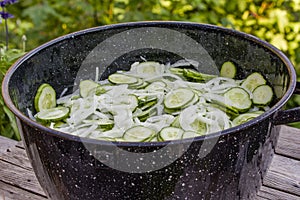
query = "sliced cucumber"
x=145 y=100
x=262 y=95
x=192 y=75
x=176 y=70
x=139 y=83
x=192 y=102
x=176 y=122
x=89 y=87
x=228 y=70
x=170 y=133
x=156 y=86
x=190 y=134
x=138 y=134
x=185 y=109
x=238 y=98
x=45 y=98
x=108 y=139
x=243 y=118
x=148 y=105
x=199 y=126
x=178 y=98
x=105 y=124
x=58 y=124
x=53 y=114
x=145 y=84
x=130 y=101
x=144 y=115
x=232 y=112
x=147 y=69
x=122 y=79
x=173 y=112
x=253 y=81
x=176 y=111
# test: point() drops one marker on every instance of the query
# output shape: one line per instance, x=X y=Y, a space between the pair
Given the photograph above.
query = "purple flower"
x=6 y=15
x=7 y=2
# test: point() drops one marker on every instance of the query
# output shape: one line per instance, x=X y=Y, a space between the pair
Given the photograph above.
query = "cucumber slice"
x=145 y=84
x=130 y=101
x=89 y=87
x=262 y=95
x=238 y=98
x=253 y=81
x=199 y=127
x=176 y=111
x=148 y=69
x=156 y=86
x=170 y=133
x=108 y=139
x=194 y=76
x=228 y=70
x=227 y=109
x=138 y=134
x=53 y=114
x=58 y=124
x=148 y=105
x=45 y=98
x=139 y=83
x=193 y=101
x=176 y=70
x=242 y=118
x=145 y=100
x=178 y=98
x=176 y=122
x=190 y=134
x=122 y=79
x=105 y=124
x=173 y=112
x=146 y=114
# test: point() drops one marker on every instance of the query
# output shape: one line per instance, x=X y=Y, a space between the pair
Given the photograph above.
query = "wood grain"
x=10 y=192
x=17 y=156
x=6 y=143
x=289 y=142
x=273 y=194
x=20 y=178
x=284 y=175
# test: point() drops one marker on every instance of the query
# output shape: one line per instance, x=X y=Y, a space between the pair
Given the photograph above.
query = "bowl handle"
x=290 y=115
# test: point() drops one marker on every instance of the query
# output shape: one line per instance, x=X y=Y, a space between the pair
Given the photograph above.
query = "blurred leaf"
x=280 y=42
x=8 y=126
x=13 y=124
x=242 y=5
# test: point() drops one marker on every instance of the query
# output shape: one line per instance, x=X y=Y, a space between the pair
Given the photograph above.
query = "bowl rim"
x=268 y=114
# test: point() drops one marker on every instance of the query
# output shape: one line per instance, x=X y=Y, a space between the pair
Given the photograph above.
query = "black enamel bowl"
x=223 y=165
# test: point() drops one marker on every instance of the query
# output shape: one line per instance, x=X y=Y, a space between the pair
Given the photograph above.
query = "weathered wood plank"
x=260 y=198
x=284 y=175
x=17 y=156
x=6 y=143
x=9 y=192
x=20 y=177
x=273 y=194
x=20 y=145
x=289 y=142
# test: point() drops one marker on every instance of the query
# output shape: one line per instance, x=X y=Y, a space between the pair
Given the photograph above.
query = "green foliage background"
x=276 y=21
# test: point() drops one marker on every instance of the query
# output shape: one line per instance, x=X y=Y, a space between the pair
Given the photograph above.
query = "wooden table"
x=282 y=181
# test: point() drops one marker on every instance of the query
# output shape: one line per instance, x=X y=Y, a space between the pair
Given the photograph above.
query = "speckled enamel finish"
x=233 y=169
